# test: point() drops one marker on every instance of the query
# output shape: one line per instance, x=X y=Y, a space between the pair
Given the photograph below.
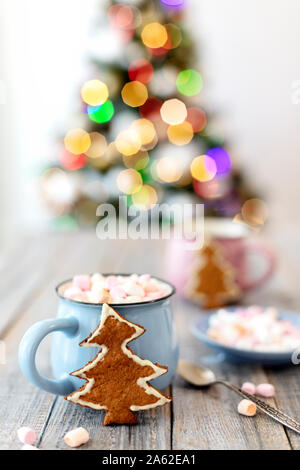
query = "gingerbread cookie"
x=211 y=280
x=117 y=379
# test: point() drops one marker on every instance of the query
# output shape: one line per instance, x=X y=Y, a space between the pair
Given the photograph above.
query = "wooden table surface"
x=196 y=419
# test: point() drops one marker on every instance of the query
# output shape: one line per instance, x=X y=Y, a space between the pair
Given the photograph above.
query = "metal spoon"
x=204 y=377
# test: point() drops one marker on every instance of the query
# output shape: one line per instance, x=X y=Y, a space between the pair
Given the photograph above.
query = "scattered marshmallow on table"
x=29 y=447
x=76 y=437
x=26 y=435
x=248 y=387
x=247 y=408
x=265 y=390
x=116 y=289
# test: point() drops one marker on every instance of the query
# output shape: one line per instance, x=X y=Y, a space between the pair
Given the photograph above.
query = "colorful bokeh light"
x=154 y=35
x=145 y=130
x=145 y=198
x=181 y=134
x=203 y=168
x=151 y=109
x=139 y=161
x=102 y=114
x=129 y=181
x=173 y=3
x=128 y=142
x=197 y=118
x=77 y=141
x=134 y=94
x=140 y=70
x=173 y=112
x=72 y=162
x=98 y=145
x=255 y=212
x=222 y=159
x=174 y=36
x=189 y=82
x=120 y=16
x=94 y=92
x=168 y=170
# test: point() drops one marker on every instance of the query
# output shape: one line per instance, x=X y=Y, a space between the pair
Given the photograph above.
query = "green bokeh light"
x=103 y=114
x=189 y=82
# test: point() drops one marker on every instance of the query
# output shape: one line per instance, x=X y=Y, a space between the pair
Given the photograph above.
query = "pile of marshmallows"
x=255 y=329
x=116 y=289
x=74 y=438
x=247 y=407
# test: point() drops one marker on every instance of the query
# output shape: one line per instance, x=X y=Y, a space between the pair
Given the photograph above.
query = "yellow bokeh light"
x=134 y=94
x=168 y=170
x=145 y=198
x=145 y=130
x=129 y=181
x=203 y=168
x=98 y=145
x=255 y=212
x=77 y=141
x=139 y=161
x=181 y=134
x=154 y=35
x=173 y=112
x=128 y=142
x=94 y=92
x=174 y=36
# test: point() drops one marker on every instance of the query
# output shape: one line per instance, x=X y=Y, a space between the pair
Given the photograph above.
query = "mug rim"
x=133 y=304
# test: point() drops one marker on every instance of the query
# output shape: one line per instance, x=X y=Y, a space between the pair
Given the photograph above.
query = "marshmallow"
x=131 y=288
x=248 y=387
x=144 y=278
x=29 y=447
x=72 y=292
x=76 y=437
x=247 y=408
x=97 y=277
x=82 y=281
x=265 y=390
x=111 y=281
x=26 y=435
x=118 y=293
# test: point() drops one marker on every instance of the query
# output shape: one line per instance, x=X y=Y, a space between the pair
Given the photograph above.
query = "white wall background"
x=249 y=58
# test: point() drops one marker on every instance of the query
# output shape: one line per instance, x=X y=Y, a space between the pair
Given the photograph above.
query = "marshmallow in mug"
x=114 y=289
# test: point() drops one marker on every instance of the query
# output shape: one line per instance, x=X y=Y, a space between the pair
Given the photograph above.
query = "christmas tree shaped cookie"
x=211 y=280
x=117 y=379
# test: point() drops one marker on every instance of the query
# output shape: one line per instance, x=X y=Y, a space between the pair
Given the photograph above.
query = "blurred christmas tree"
x=145 y=134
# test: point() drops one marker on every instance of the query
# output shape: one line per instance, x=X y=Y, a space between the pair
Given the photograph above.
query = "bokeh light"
x=181 y=134
x=208 y=189
x=151 y=109
x=173 y=112
x=145 y=198
x=255 y=212
x=189 y=82
x=72 y=162
x=138 y=161
x=94 y=92
x=197 y=118
x=102 y=114
x=134 y=94
x=145 y=130
x=129 y=181
x=128 y=142
x=120 y=16
x=173 y=3
x=154 y=35
x=77 y=141
x=174 y=36
x=168 y=170
x=203 y=168
x=98 y=145
x=222 y=159
x=140 y=70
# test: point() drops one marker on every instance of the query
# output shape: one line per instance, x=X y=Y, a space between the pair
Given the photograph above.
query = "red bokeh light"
x=151 y=109
x=141 y=70
x=71 y=162
x=197 y=118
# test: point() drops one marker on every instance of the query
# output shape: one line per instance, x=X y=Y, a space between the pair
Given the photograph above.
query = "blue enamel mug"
x=76 y=320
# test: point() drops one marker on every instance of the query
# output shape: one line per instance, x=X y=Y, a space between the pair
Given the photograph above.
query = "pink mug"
x=236 y=248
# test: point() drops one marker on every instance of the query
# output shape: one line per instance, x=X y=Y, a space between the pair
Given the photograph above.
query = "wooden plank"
x=208 y=419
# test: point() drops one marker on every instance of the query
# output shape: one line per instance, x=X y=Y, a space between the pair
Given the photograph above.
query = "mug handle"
x=269 y=255
x=28 y=348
